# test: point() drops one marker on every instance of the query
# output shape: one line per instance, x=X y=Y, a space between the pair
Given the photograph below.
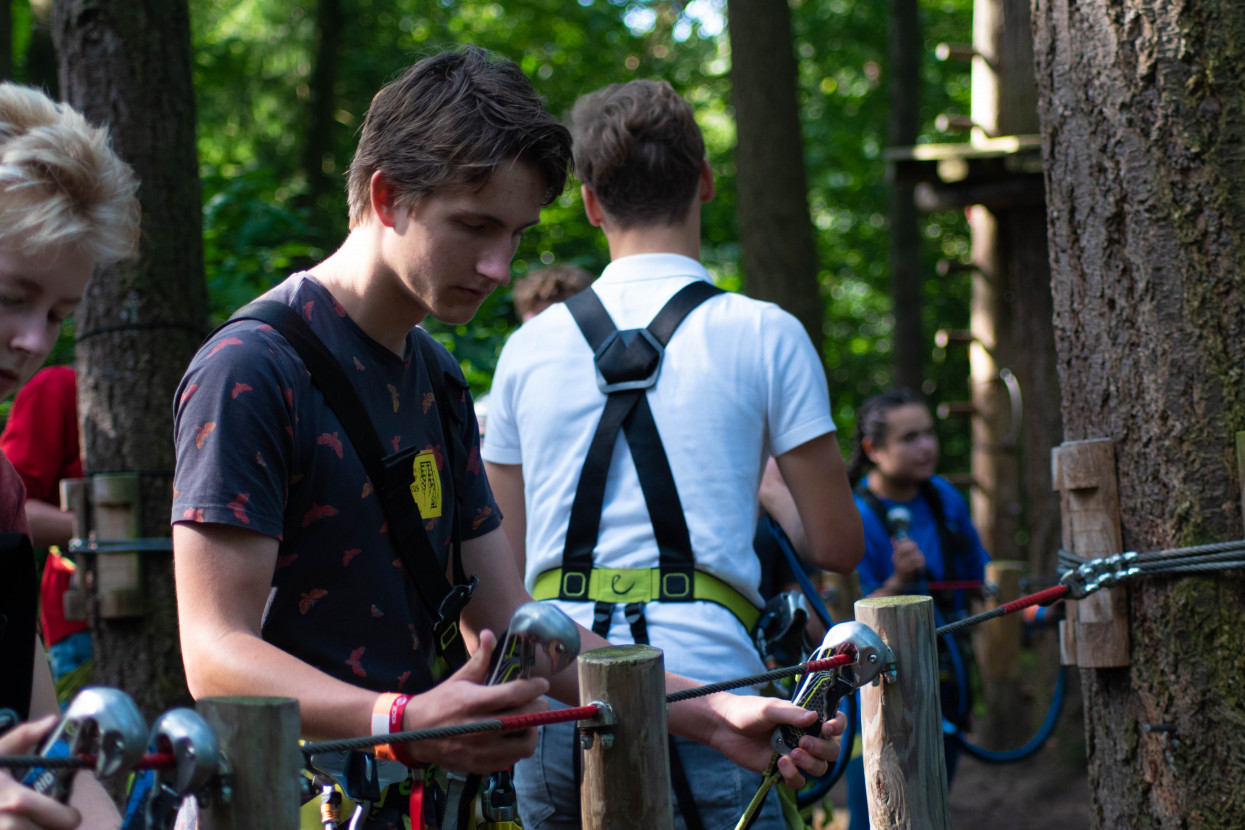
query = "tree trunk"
x=1143 y=124
x=318 y=140
x=127 y=64
x=911 y=347
x=779 y=256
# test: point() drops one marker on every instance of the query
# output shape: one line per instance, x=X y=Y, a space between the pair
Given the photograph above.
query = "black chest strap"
x=628 y=364
x=443 y=602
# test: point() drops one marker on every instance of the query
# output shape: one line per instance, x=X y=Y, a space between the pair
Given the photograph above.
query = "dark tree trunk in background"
x=1143 y=124
x=779 y=256
x=322 y=173
x=40 y=69
x=127 y=64
x=905 y=237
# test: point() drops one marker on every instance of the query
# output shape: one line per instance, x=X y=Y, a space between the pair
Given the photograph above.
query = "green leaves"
x=254 y=64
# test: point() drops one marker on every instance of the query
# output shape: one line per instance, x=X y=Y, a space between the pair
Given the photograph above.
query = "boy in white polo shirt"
x=629 y=484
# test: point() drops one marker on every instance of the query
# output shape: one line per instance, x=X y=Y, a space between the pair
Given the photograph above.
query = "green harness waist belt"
x=628 y=585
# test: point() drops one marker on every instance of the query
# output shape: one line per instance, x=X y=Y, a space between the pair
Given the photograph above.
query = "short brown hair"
x=638 y=147
x=545 y=286
x=61 y=184
x=452 y=119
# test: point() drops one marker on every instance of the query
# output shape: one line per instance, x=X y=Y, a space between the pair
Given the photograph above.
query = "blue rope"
x=1035 y=743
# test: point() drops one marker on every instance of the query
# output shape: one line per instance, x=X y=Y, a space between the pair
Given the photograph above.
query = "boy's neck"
x=681 y=238
x=368 y=292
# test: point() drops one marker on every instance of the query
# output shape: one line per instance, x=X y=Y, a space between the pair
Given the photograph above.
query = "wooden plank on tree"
x=1083 y=473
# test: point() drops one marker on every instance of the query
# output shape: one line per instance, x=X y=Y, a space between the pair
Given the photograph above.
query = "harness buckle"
x=445 y=627
x=575 y=583
x=628 y=360
x=677 y=584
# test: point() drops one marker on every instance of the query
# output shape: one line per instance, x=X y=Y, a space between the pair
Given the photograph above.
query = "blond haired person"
x=67 y=203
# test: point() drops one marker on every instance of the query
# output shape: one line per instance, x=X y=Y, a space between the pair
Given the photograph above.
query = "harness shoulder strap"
x=875 y=504
x=424 y=572
x=953 y=543
x=627 y=365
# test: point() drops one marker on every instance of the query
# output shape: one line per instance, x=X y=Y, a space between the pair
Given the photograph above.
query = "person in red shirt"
x=40 y=439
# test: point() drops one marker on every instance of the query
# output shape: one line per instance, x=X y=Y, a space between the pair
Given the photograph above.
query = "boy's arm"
x=822 y=497
x=223 y=575
x=507 y=483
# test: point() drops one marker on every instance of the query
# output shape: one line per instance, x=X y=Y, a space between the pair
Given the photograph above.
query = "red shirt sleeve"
x=41 y=435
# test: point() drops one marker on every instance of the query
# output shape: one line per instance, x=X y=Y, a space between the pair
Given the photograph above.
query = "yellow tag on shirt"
x=426 y=485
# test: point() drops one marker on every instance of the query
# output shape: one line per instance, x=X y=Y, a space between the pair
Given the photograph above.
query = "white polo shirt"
x=740 y=381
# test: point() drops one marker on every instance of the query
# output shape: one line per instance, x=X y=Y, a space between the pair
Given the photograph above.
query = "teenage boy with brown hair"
x=632 y=551
x=287 y=578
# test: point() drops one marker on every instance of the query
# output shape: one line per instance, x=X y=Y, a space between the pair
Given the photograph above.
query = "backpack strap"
x=18 y=590
x=954 y=544
x=424 y=572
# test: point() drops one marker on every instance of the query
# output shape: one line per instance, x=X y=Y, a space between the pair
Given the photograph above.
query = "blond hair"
x=61 y=184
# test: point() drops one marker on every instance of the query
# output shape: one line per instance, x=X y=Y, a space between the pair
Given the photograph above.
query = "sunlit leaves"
x=254 y=63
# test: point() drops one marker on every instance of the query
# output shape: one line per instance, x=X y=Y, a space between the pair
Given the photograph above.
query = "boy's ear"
x=706 y=186
x=592 y=207
x=383 y=199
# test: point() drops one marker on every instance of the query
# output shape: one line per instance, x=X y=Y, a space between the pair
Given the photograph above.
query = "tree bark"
x=911 y=347
x=318 y=140
x=1142 y=106
x=127 y=64
x=779 y=256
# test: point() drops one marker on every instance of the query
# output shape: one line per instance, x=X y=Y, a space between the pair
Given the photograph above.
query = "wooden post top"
x=889 y=602
x=632 y=653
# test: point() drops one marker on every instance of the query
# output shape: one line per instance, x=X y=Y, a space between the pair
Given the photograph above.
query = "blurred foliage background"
x=282 y=87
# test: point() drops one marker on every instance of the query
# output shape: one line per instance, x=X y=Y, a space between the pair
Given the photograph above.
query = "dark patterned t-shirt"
x=259 y=448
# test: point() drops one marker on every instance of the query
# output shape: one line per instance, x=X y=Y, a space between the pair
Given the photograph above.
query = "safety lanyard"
x=443 y=602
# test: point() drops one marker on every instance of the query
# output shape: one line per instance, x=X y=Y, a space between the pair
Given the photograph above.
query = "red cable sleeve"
x=1040 y=598
x=513 y=722
x=829 y=663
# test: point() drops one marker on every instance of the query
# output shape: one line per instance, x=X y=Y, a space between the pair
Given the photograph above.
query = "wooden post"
x=905 y=770
x=843 y=593
x=626 y=784
x=997 y=642
x=1095 y=632
x=259 y=740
